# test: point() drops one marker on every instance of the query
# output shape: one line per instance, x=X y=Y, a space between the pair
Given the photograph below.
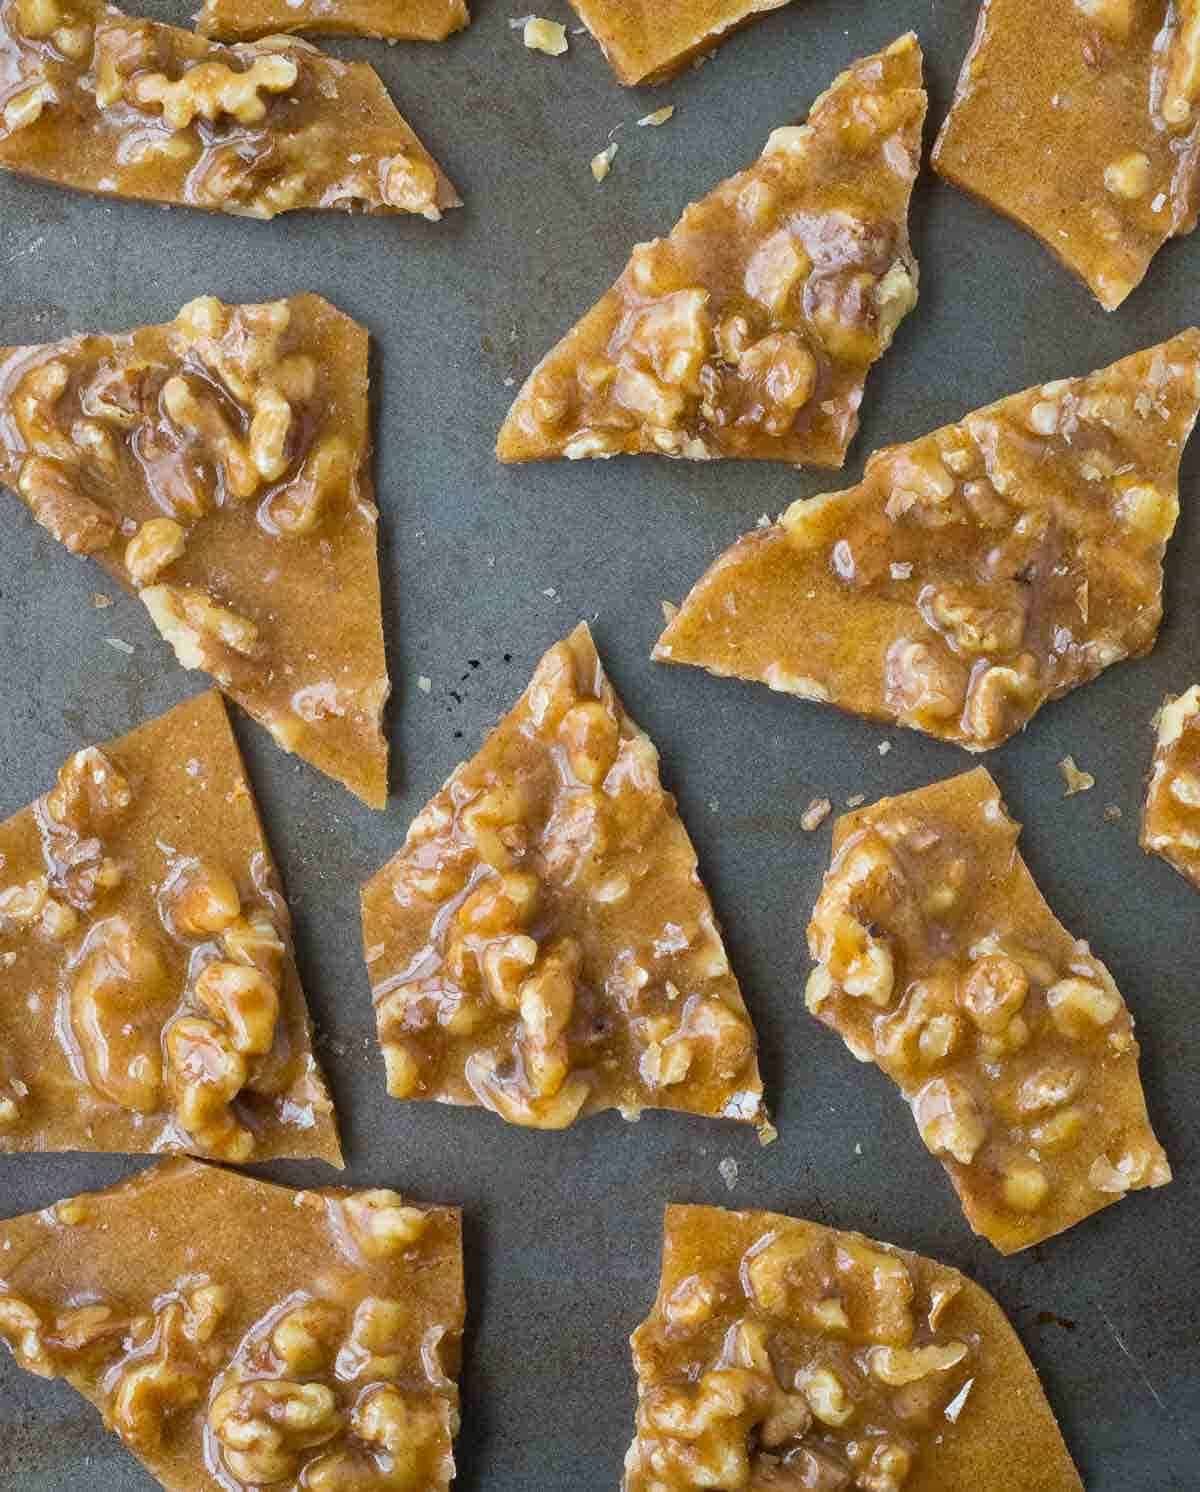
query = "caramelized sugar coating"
x=108 y=103
x=648 y=41
x=1171 y=822
x=149 y=999
x=750 y=330
x=939 y=960
x=973 y=574
x=1079 y=119
x=394 y=20
x=240 y=1335
x=542 y=944
x=782 y=1356
x=220 y=467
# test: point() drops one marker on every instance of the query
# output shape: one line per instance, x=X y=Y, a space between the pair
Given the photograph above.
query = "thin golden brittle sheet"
x=1078 y=119
x=103 y=102
x=939 y=960
x=238 y=1335
x=783 y=1356
x=648 y=41
x=542 y=944
x=391 y=20
x=149 y=998
x=973 y=574
x=219 y=466
x=1171 y=821
x=749 y=331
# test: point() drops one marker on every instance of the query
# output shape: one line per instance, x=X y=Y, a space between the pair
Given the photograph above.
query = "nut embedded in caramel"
x=1171 y=821
x=781 y=1355
x=750 y=330
x=149 y=1000
x=974 y=574
x=542 y=944
x=938 y=959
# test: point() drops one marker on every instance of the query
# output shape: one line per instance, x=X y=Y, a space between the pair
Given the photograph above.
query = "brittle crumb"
x=602 y=163
x=660 y=116
x=884 y=747
x=1112 y=813
x=815 y=814
x=856 y=800
x=424 y=683
x=767 y=1133
x=545 y=36
x=1077 y=781
x=100 y=601
x=729 y=1171
x=120 y=645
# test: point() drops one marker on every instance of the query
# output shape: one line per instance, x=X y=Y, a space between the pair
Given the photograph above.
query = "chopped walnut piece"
x=1171 y=819
x=783 y=1355
x=1007 y=1036
x=749 y=331
x=815 y=814
x=133 y=108
x=1076 y=121
x=217 y=466
x=227 y=1333
x=181 y=1023
x=974 y=574
x=540 y=35
x=542 y=944
x=1076 y=780
x=602 y=161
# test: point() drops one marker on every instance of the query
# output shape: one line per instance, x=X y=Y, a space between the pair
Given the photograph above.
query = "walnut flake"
x=545 y=36
x=815 y=814
x=602 y=162
x=1077 y=781
x=660 y=116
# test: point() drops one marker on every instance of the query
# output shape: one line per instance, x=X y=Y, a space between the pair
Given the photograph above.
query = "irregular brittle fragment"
x=1171 y=822
x=750 y=330
x=220 y=466
x=238 y=1335
x=107 y=103
x=973 y=574
x=542 y=944
x=1078 y=119
x=782 y=1356
x=648 y=43
x=939 y=960
x=393 y=20
x=149 y=999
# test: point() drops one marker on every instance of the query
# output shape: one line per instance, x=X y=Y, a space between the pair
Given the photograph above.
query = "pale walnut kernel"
x=146 y=1394
x=199 y=416
x=826 y=1396
x=117 y=999
x=23 y=904
x=244 y=1000
x=211 y=89
x=157 y=544
x=265 y=1427
x=590 y=736
x=545 y=36
x=1079 y=1006
x=374 y=1350
x=25 y=107
x=1024 y=1186
x=305 y=1338
x=79 y=524
x=923 y=685
x=411 y=184
x=254 y=940
x=383 y=1224
x=21 y=1327
x=783 y=374
x=1181 y=86
x=949 y=1119
x=994 y=991
x=1128 y=176
x=199 y=899
x=206 y=1075
x=899 y=1366
x=196 y=626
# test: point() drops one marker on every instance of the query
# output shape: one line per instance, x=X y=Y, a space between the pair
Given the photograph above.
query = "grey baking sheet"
x=483 y=568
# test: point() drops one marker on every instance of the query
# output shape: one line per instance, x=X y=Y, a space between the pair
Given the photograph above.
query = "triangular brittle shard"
x=149 y=999
x=542 y=944
x=648 y=41
x=973 y=574
x=938 y=959
x=220 y=466
x=236 y=1334
x=393 y=20
x=125 y=107
x=782 y=1355
x=749 y=332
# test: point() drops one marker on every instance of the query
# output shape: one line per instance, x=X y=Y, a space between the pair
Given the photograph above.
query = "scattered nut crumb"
x=602 y=163
x=669 y=610
x=541 y=35
x=856 y=800
x=550 y=592
x=955 y=1406
x=767 y=1133
x=424 y=683
x=660 y=116
x=858 y=1147
x=1112 y=813
x=762 y=521
x=100 y=600
x=1076 y=780
x=713 y=805
x=729 y=1171
x=120 y=645
x=815 y=814
x=509 y=383
x=884 y=747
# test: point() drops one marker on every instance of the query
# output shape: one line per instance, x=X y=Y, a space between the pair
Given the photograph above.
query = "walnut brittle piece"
x=749 y=331
x=1171 y=821
x=542 y=944
x=973 y=574
x=939 y=960
x=219 y=466
x=392 y=20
